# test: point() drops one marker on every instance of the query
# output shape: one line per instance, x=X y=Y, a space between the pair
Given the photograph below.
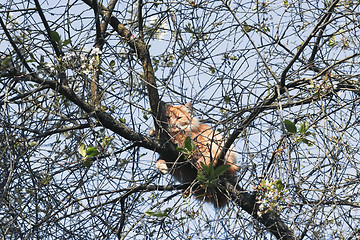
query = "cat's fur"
x=208 y=145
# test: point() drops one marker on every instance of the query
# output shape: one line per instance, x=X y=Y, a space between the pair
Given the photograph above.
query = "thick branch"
x=140 y=19
x=104 y=118
x=248 y=203
x=242 y=198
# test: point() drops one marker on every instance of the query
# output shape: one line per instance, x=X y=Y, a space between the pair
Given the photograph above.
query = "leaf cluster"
x=87 y=153
x=189 y=147
x=301 y=133
x=55 y=36
x=209 y=176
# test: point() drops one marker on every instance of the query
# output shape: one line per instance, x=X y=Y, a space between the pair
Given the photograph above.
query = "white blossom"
x=83 y=56
x=68 y=55
x=153 y=20
x=162 y=31
x=50 y=65
x=86 y=71
x=96 y=51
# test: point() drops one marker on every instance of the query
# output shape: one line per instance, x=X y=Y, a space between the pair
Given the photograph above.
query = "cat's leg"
x=161 y=166
x=231 y=160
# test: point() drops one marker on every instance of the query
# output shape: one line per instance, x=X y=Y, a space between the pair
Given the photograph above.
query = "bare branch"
x=319 y=26
x=143 y=54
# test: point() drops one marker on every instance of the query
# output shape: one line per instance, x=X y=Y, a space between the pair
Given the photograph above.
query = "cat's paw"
x=161 y=166
x=152 y=132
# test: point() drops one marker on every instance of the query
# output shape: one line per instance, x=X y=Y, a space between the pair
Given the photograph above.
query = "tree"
x=82 y=82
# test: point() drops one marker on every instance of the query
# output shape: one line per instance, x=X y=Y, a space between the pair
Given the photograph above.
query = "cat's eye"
x=178 y=118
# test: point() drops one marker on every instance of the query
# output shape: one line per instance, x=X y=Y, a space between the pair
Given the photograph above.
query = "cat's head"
x=179 y=118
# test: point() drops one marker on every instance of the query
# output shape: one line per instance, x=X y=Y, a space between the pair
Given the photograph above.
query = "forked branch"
x=245 y=200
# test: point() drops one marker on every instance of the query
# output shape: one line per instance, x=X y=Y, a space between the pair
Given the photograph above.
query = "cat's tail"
x=212 y=195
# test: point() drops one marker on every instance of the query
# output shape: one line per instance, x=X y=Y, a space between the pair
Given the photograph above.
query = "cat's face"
x=179 y=118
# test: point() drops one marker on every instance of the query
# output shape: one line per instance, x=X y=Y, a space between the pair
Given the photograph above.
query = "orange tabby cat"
x=208 y=145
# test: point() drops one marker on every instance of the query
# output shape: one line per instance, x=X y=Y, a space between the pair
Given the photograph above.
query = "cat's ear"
x=188 y=105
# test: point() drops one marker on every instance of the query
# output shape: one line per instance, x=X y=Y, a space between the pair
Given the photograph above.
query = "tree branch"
x=104 y=118
x=273 y=223
x=56 y=48
x=248 y=203
x=272 y=97
x=99 y=43
x=306 y=42
x=242 y=198
x=138 y=45
x=48 y=30
x=140 y=19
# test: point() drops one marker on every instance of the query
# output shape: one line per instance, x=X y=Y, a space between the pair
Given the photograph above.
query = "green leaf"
x=306 y=141
x=205 y=168
x=210 y=170
x=212 y=69
x=233 y=58
x=112 y=64
x=55 y=36
x=211 y=164
x=307 y=134
x=201 y=177
x=66 y=42
x=32 y=144
x=290 y=126
x=203 y=165
x=106 y=141
x=221 y=170
x=331 y=41
x=47 y=180
x=91 y=152
x=87 y=162
x=157 y=214
x=180 y=149
x=6 y=61
x=82 y=150
x=122 y=120
x=60 y=43
x=189 y=145
x=303 y=127
x=279 y=185
x=247 y=28
x=188 y=28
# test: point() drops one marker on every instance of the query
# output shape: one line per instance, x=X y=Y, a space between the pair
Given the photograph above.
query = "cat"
x=208 y=145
